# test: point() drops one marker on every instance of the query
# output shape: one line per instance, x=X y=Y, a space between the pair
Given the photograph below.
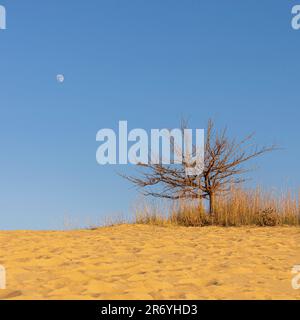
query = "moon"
x=60 y=78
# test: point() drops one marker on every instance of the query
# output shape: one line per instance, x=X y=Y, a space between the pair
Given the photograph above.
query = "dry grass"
x=238 y=208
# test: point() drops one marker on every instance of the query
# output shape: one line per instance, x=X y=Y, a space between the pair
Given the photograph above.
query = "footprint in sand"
x=10 y=295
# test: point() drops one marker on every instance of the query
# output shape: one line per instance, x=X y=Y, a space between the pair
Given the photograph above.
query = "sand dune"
x=148 y=262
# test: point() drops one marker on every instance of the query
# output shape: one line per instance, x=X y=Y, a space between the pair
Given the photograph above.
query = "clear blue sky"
x=148 y=62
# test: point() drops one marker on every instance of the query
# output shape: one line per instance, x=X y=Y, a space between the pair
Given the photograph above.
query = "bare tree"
x=223 y=167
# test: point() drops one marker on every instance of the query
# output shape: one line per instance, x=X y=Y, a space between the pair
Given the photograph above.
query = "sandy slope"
x=147 y=262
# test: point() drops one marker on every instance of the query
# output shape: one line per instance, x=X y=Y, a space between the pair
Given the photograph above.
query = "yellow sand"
x=149 y=262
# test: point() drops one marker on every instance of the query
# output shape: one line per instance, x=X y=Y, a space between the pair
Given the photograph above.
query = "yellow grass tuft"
x=239 y=207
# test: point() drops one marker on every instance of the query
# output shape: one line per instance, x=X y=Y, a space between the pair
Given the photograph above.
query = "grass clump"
x=238 y=208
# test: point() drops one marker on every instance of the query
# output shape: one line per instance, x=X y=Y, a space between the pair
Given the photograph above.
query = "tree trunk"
x=211 y=203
